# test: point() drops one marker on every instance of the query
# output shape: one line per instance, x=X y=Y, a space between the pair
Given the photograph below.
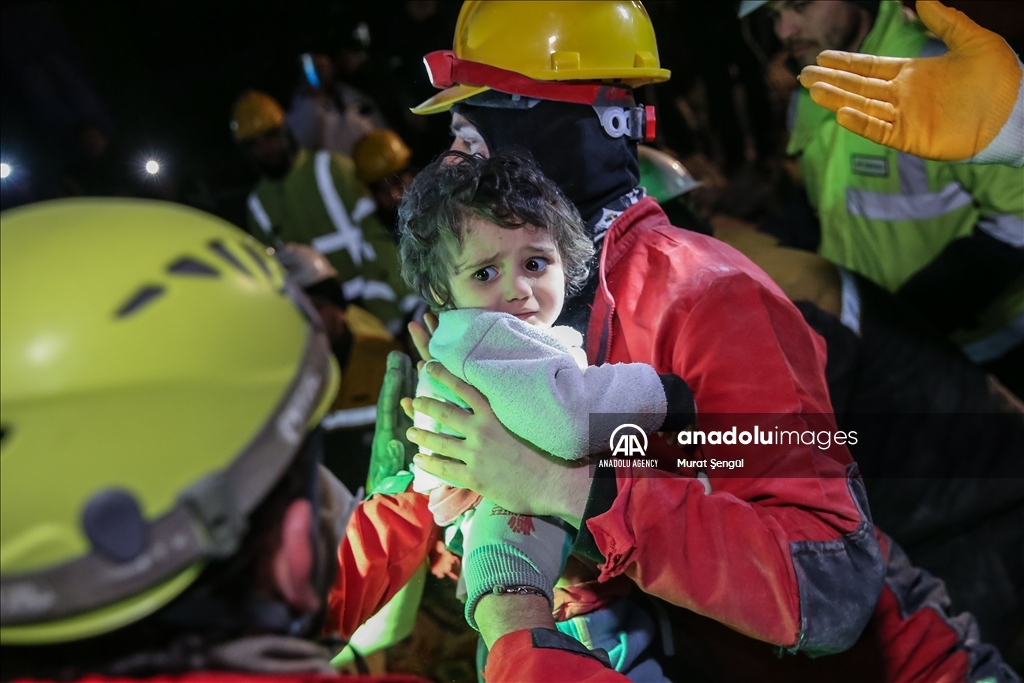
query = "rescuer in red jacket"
x=775 y=556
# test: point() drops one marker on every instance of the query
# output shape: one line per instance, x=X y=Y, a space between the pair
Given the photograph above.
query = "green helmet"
x=663 y=176
x=158 y=379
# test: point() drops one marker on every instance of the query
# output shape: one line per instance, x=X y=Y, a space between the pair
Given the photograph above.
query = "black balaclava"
x=592 y=168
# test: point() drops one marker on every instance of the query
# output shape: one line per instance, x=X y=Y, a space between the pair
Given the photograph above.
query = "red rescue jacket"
x=387 y=539
x=788 y=556
x=786 y=553
x=790 y=560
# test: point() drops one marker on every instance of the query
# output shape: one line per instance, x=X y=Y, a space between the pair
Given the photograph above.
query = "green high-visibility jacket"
x=320 y=202
x=887 y=214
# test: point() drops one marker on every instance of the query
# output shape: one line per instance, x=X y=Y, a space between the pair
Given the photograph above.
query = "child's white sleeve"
x=536 y=388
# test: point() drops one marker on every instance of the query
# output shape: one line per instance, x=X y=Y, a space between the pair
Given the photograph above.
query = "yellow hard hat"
x=254 y=114
x=159 y=377
x=602 y=41
x=378 y=154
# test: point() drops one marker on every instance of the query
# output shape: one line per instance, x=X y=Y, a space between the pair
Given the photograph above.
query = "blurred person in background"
x=327 y=113
x=382 y=162
x=360 y=343
x=919 y=406
x=947 y=238
x=314 y=198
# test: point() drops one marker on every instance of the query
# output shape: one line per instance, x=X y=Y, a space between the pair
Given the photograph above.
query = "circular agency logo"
x=628 y=440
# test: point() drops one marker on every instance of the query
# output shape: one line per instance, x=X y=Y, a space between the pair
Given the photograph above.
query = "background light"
x=152 y=167
x=5 y=170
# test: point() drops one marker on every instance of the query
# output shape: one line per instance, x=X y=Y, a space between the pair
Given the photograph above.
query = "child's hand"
x=406 y=404
x=421 y=335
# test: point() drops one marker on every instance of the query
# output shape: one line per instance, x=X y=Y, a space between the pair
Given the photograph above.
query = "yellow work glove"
x=965 y=105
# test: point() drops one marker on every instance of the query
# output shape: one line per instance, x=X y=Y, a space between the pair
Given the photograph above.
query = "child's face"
x=517 y=271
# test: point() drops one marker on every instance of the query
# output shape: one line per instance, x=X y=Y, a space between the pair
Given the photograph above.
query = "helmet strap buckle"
x=638 y=123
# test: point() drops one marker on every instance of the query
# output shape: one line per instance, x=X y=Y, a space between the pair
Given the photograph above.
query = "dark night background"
x=91 y=89
x=158 y=78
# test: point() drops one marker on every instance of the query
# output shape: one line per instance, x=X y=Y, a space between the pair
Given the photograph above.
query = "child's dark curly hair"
x=507 y=189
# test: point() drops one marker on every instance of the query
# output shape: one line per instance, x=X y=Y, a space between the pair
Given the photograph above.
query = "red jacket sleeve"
x=541 y=655
x=387 y=539
x=782 y=550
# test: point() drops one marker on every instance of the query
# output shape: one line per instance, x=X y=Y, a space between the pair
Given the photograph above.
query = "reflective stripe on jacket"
x=887 y=214
x=321 y=203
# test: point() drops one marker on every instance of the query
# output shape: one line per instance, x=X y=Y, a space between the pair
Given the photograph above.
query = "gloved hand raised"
x=505 y=549
x=966 y=105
